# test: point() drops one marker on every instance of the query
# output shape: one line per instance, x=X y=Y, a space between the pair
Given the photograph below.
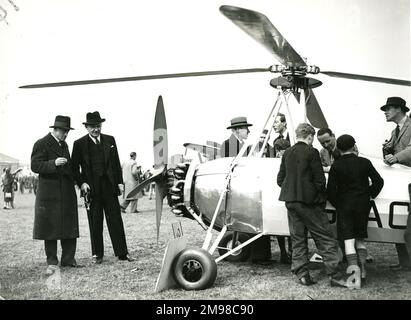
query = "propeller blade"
x=138 y=78
x=367 y=78
x=159 y=207
x=156 y=177
x=314 y=112
x=259 y=27
x=160 y=143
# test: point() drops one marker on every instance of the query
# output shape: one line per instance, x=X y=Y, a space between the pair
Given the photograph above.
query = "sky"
x=50 y=41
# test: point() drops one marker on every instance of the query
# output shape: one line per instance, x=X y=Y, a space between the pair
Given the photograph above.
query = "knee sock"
x=352 y=259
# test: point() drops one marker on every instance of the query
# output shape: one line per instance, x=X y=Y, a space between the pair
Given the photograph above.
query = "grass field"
x=22 y=266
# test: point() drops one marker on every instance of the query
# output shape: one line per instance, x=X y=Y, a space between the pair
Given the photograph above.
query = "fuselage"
x=251 y=204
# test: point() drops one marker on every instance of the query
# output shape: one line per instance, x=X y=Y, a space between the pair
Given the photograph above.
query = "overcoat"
x=130 y=177
x=56 y=214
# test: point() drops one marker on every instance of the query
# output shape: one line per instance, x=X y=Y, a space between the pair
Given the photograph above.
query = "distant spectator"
x=131 y=180
x=7 y=183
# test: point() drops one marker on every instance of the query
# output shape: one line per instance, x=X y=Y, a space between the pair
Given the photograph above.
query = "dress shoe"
x=125 y=257
x=398 y=267
x=97 y=260
x=136 y=211
x=123 y=210
x=72 y=265
x=51 y=269
x=306 y=280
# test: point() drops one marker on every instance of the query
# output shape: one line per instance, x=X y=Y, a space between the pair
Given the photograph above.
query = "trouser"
x=152 y=187
x=404 y=250
x=261 y=249
x=132 y=203
x=301 y=219
x=104 y=199
x=68 y=247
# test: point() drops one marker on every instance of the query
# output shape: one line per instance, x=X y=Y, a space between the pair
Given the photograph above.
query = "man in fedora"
x=239 y=132
x=98 y=172
x=56 y=215
x=261 y=248
x=398 y=150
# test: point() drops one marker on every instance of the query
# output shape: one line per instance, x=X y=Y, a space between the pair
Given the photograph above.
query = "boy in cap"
x=349 y=192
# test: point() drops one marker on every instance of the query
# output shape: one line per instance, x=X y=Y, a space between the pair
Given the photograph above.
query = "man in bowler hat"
x=56 y=215
x=398 y=150
x=98 y=171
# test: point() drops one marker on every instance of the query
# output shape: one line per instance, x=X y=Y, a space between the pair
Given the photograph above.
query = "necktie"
x=97 y=141
x=397 y=131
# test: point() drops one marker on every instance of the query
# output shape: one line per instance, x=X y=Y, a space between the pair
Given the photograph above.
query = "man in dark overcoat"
x=97 y=169
x=56 y=215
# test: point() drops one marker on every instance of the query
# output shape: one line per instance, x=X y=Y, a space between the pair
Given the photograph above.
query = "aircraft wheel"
x=194 y=269
x=227 y=242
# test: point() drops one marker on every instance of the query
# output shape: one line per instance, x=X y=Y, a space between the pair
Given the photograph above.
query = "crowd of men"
x=304 y=190
x=95 y=168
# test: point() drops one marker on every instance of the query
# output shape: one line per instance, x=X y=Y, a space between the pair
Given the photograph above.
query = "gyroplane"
x=238 y=196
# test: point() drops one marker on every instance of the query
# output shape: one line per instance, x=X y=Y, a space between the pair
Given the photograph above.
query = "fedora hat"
x=93 y=118
x=62 y=122
x=239 y=122
x=395 y=102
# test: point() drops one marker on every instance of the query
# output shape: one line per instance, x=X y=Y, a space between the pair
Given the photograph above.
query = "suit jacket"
x=301 y=176
x=55 y=213
x=82 y=164
x=231 y=147
x=401 y=146
x=348 y=183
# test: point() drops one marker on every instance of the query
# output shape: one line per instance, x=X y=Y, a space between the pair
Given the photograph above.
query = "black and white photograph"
x=211 y=151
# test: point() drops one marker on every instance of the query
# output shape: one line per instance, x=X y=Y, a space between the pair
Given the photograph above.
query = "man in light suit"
x=131 y=180
x=398 y=150
x=97 y=170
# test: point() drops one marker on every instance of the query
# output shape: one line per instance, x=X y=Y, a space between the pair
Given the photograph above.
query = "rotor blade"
x=314 y=112
x=159 y=207
x=259 y=27
x=157 y=176
x=160 y=143
x=367 y=78
x=138 y=78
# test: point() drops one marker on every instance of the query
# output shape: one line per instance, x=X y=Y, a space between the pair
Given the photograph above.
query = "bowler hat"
x=345 y=142
x=395 y=102
x=239 y=122
x=93 y=118
x=62 y=122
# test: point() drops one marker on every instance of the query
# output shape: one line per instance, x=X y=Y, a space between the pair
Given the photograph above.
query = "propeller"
x=160 y=147
x=314 y=113
x=139 y=78
x=261 y=29
x=367 y=78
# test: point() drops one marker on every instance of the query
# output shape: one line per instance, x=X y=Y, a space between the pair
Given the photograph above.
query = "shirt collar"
x=94 y=139
x=58 y=141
